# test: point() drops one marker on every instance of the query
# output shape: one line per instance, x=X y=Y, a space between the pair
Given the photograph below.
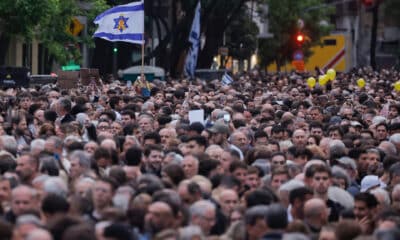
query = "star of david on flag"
x=123 y=23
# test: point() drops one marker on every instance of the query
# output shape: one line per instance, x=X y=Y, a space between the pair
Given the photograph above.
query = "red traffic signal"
x=300 y=38
x=368 y=3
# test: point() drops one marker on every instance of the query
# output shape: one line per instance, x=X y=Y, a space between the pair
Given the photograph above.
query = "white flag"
x=123 y=23
x=194 y=39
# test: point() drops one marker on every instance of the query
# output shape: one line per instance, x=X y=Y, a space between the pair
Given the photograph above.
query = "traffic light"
x=368 y=3
x=300 y=38
x=115 y=49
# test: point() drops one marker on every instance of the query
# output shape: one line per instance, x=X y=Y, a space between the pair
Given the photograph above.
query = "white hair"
x=191 y=232
x=28 y=219
x=37 y=144
x=291 y=185
x=395 y=138
x=56 y=185
x=383 y=193
x=9 y=144
x=198 y=208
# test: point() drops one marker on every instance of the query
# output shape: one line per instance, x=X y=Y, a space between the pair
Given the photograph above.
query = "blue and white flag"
x=194 y=39
x=226 y=79
x=123 y=23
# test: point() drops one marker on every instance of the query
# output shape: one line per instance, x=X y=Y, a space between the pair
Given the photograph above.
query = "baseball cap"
x=369 y=182
x=219 y=128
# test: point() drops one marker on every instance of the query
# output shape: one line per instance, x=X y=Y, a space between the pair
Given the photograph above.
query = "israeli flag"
x=123 y=23
x=226 y=79
x=194 y=39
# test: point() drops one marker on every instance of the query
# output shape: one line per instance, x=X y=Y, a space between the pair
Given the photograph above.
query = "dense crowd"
x=273 y=158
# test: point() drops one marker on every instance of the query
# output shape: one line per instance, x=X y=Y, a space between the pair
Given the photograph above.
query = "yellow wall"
x=322 y=55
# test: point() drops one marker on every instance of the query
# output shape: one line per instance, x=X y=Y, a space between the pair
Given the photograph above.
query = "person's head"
x=103 y=192
x=279 y=176
x=364 y=205
x=316 y=211
x=189 y=191
x=335 y=132
x=196 y=145
x=80 y=163
x=299 y=137
x=321 y=180
x=316 y=114
x=297 y=199
x=146 y=123
x=127 y=117
x=27 y=167
x=5 y=190
x=159 y=217
x=63 y=106
x=276 y=217
x=102 y=156
x=54 y=205
x=348 y=229
x=23 y=199
x=253 y=180
x=316 y=129
x=381 y=131
x=278 y=159
x=255 y=221
x=228 y=200
x=203 y=214
x=239 y=170
x=190 y=165
x=240 y=140
x=154 y=155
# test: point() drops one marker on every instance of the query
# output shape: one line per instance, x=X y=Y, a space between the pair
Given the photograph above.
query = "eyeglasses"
x=103 y=127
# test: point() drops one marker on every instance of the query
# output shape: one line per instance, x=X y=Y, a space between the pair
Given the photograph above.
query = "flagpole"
x=142 y=70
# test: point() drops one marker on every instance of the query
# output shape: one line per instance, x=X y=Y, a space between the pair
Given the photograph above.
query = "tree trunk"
x=375 y=11
x=4 y=45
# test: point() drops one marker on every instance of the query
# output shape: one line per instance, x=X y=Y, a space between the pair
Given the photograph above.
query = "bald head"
x=315 y=208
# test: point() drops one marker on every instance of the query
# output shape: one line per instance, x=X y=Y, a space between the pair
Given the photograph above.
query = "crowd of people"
x=273 y=158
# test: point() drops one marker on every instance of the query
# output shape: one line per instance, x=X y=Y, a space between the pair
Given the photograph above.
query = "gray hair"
x=58 y=142
x=56 y=185
x=40 y=179
x=176 y=158
x=395 y=138
x=338 y=172
x=28 y=219
x=388 y=148
x=254 y=213
x=189 y=232
x=198 y=208
x=382 y=192
x=9 y=144
x=291 y=185
x=337 y=148
x=83 y=158
x=65 y=104
x=295 y=236
x=37 y=144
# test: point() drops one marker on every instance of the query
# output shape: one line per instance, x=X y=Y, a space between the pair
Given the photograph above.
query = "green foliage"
x=46 y=21
x=283 y=19
x=241 y=36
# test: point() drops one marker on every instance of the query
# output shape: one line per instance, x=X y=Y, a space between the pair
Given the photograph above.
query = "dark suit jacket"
x=67 y=118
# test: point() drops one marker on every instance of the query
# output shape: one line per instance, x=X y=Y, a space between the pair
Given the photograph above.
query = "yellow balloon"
x=397 y=86
x=323 y=80
x=311 y=82
x=361 y=83
x=331 y=73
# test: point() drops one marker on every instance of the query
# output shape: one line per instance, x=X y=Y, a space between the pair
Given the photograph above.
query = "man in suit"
x=63 y=109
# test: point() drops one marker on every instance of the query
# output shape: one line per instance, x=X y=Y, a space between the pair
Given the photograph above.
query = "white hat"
x=369 y=182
